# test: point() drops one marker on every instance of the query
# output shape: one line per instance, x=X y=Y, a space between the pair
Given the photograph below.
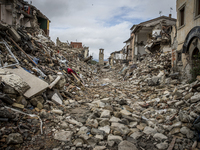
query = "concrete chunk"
x=37 y=85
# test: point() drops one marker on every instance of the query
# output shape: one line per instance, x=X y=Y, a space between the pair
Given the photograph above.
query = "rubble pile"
x=137 y=107
x=35 y=83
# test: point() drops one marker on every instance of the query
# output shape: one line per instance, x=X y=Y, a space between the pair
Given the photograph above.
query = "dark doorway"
x=0 y=12
x=195 y=53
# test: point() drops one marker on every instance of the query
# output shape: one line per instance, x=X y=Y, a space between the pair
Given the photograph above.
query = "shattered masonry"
x=52 y=97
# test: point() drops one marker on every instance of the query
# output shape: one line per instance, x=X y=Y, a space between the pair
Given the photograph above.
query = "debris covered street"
x=52 y=97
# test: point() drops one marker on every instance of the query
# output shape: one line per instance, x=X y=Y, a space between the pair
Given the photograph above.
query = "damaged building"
x=51 y=98
x=188 y=36
x=117 y=57
x=76 y=48
x=19 y=13
x=150 y=36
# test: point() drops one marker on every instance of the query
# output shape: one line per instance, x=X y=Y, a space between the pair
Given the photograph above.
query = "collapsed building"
x=77 y=51
x=150 y=36
x=19 y=13
x=141 y=106
x=155 y=35
x=117 y=57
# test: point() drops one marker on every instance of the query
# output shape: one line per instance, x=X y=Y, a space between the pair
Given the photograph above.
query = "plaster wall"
x=191 y=19
x=86 y=53
x=6 y=16
x=142 y=37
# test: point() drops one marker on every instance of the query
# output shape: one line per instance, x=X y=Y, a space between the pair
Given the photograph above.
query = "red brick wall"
x=76 y=45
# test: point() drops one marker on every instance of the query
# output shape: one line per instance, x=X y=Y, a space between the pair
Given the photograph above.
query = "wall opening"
x=197 y=7
x=43 y=23
x=0 y=11
x=195 y=53
x=182 y=16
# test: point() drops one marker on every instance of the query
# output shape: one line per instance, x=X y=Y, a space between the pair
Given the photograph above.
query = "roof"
x=128 y=39
x=115 y=52
x=76 y=42
x=132 y=27
x=152 y=20
x=155 y=19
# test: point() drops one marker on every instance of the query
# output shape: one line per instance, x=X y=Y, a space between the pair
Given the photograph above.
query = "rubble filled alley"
x=139 y=106
x=53 y=98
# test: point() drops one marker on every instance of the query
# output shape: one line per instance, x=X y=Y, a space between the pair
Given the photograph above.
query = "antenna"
x=160 y=12
x=171 y=10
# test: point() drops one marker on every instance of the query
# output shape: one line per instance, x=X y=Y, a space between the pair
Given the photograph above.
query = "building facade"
x=150 y=35
x=188 y=34
x=76 y=45
x=19 y=13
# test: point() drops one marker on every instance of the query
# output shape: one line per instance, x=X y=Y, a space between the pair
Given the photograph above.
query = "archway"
x=194 y=61
x=195 y=53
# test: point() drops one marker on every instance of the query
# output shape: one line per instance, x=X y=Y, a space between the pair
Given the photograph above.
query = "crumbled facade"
x=74 y=48
x=19 y=13
x=117 y=57
x=150 y=36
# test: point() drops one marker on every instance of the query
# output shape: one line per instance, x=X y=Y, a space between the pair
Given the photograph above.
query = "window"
x=197 y=8
x=182 y=16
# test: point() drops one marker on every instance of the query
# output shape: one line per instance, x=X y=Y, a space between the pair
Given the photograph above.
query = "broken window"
x=182 y=16
x=197 y=7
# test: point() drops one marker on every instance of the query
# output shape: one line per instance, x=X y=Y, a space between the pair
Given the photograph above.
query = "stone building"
x=117 y=57
x=19 y=13
x=101 y=56
x=149 y=35
x=188 y=35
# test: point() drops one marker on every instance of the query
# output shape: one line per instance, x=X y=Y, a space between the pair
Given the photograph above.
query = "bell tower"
x=101 y=56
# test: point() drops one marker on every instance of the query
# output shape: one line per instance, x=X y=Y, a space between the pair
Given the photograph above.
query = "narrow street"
x=137 y=87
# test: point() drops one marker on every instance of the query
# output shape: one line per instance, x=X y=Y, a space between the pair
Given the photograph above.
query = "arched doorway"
x=195 y=53
x=190 y=48
x=194 y=50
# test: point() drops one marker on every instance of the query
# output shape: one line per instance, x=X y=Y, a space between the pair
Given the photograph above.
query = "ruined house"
x=19 y=13
x=128 y=48
x=79 y=51
x=188 y=35
x=150 y=36
x=117 y=57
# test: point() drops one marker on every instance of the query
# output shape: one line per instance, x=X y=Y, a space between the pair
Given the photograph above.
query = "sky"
x=100 y=23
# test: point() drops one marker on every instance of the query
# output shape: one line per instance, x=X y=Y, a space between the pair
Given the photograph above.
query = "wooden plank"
x=171 y=146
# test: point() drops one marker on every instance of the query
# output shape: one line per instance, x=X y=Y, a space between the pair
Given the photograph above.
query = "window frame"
x=196 y=9
x=179 y=14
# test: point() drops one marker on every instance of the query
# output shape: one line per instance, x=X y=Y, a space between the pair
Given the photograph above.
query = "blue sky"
x=100 y=23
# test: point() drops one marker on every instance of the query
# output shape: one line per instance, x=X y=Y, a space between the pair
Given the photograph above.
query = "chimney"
x=170 y=15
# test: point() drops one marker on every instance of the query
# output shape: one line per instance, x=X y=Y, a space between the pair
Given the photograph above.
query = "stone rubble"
x=118 y=108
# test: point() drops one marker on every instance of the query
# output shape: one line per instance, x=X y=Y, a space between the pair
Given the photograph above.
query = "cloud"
x=99 y=24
